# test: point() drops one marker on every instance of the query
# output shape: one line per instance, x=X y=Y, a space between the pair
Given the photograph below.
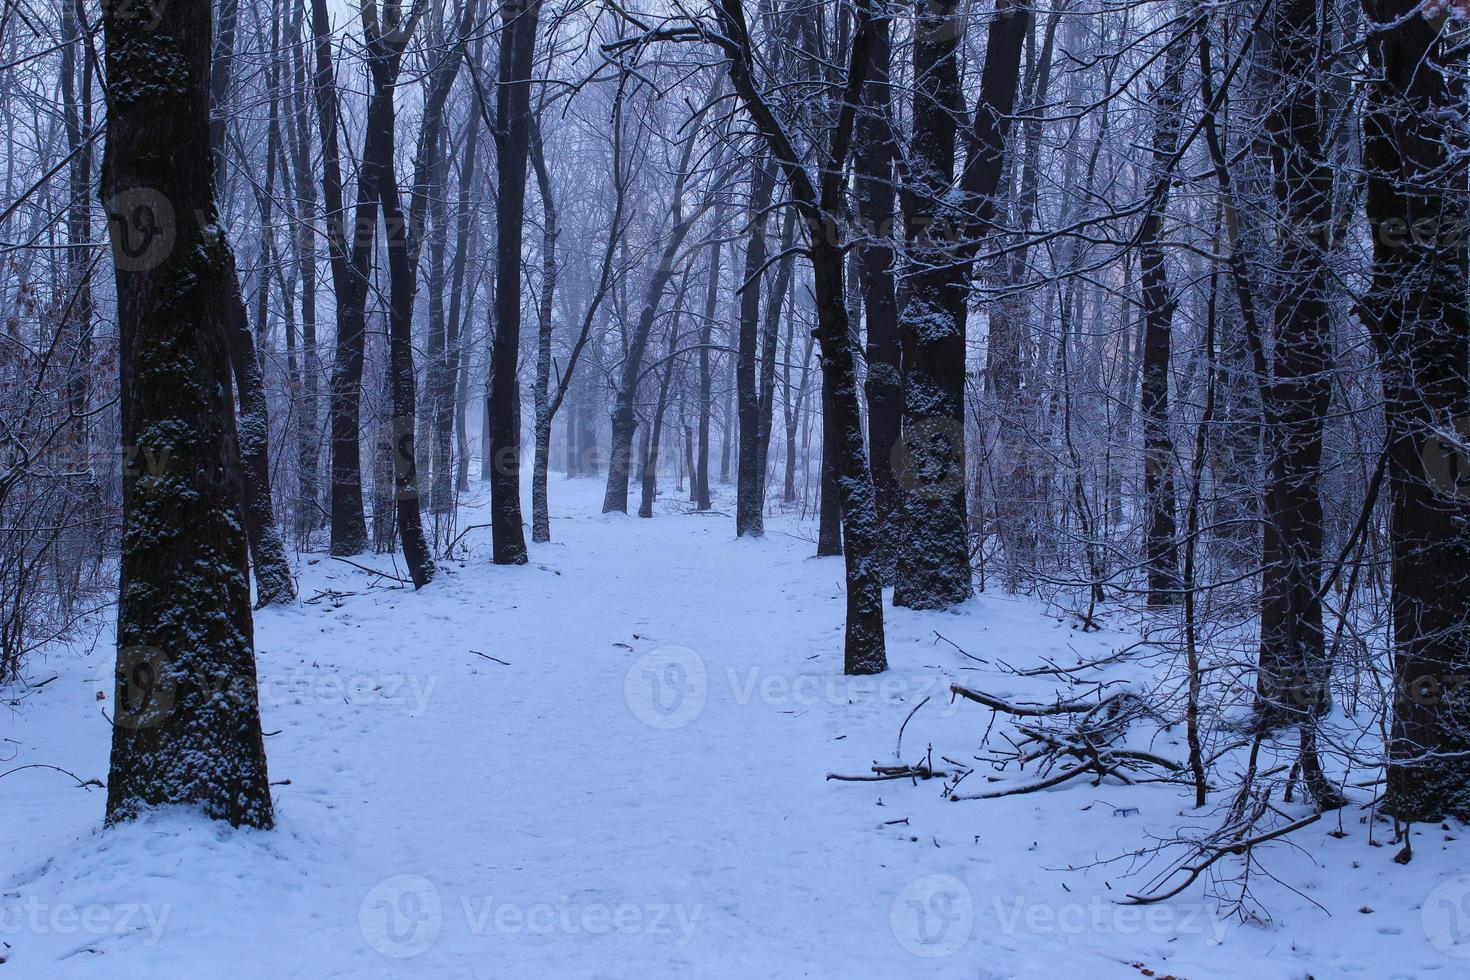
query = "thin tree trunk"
x=706 y=373
x=385 y=52
x=775 y=302
x=350 y=283
x=308 y=424
x=748 y=509
x=272 y=572
x=1160 y=523
x=540 y=507
x=624 y=420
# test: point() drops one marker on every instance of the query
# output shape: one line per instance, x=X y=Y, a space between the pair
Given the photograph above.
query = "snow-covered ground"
x=612 y=763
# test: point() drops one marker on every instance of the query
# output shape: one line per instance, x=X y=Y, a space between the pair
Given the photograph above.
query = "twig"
x=83 y=783
x=898 y=750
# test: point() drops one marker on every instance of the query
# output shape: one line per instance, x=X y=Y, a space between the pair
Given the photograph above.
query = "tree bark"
x=1160 y=522
x=1416 y=158
x=308 y=515
x=186 y=722
x=540 y=507
x=748 y=507
x=706 y=374
x=873 y=165
x=512 y=145
x=385 y=53
x=933 y=568
x=349 y=284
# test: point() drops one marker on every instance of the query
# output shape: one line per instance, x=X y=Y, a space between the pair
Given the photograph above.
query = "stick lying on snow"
x=921 y=771
x=1033 y=710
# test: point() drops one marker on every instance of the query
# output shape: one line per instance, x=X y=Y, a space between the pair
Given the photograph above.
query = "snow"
x=639 y=790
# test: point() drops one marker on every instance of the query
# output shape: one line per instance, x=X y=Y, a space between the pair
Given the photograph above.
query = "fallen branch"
x=1048 y=783
x=1213 y=853
x=365 y=568
x=881 y=773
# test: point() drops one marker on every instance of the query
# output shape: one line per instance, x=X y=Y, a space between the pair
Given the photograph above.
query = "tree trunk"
x=384 y=57
x=706 y=375
x=748 y=508
x=1160 y=549
x=512 y=144
x=624 y=420
x=1416 y=157
x=308 y=425
x=273 y=582
x=186 y=722
x=775 y=302
x=933 y=562
x=829 y=492
x=873 y=157
x=350 y=283
x=864 y=649
x=655 y=436
x=540 y=507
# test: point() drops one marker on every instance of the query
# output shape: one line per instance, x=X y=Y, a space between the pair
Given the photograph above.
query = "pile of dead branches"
x=1058 y=742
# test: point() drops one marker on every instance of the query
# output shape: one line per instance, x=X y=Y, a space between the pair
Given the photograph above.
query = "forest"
x=735 y=488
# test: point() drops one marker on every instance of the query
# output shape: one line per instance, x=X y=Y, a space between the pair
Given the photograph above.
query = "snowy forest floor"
x=628 y=779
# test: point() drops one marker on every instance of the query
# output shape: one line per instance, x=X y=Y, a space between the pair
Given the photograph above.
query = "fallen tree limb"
x=1213 y=853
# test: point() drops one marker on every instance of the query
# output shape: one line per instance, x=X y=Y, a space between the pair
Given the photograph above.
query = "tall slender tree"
x=512 y=131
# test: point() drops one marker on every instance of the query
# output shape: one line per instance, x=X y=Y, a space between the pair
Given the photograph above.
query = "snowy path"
x=638 y=791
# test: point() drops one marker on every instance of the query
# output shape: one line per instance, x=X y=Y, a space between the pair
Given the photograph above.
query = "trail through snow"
x=628 y=780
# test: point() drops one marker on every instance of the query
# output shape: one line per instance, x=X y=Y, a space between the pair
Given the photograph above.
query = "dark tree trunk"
x=706 y=374
x=932 y=568
x=1160 y=522
x=1416 y=158
x=655 y=436
x=819 y=200
x=430 y=200
x=186 y=723
x=385 y=53
x=308 y=516
x=775 y=303
x=540 y=506
x=273 y=582
x=748 y=508
x=451 y=413
x=829 y=492
x=1292 y=676
x=624 y=417
x=512 y=146
x=349 y=255
x=873 y=159
x=450 y=459
x=76 y=87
